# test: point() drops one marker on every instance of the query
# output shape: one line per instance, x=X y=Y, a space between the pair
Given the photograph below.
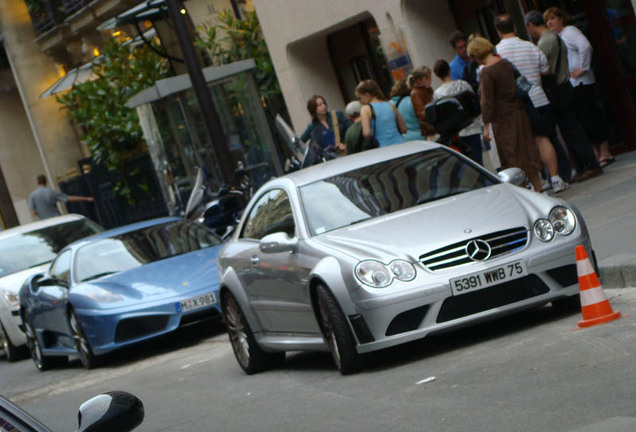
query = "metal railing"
x=46 y=14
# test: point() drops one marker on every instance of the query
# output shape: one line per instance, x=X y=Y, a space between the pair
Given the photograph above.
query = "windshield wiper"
x=98 y=275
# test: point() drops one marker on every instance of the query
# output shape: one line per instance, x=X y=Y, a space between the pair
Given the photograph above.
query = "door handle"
x=255 y=260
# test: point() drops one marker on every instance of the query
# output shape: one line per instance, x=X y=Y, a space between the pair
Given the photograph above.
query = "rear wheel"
x=11 y=351
x=337 y=332
x=80 y=342
x=41 y=361
x=249 y=355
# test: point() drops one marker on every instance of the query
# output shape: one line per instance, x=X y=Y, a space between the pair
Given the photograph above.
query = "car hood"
x=413 y=232
x=161 y=279
x=14 y=281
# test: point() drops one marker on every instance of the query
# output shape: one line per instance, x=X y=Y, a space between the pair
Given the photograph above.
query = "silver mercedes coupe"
x=388 y=246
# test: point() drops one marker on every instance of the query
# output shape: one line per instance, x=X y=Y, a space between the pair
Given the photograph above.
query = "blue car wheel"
x=41 y=361
x=80 y=341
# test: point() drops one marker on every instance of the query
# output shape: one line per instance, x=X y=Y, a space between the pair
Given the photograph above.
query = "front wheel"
x=249 y=355
x=11 y=351
x=337 y=333
x=80 y=342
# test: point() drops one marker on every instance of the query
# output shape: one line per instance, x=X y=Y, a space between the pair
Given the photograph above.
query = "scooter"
x=222 y=210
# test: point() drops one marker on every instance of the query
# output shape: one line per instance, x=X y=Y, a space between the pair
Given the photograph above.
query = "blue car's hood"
x=161 y=279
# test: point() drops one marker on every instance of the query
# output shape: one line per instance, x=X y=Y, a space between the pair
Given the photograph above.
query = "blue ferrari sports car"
x=120 y=287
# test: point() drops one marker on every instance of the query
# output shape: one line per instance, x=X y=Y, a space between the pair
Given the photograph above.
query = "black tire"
x=248 y=353
x=337 y=332
x=567 y=305
x=41 y=361
x=11 y=351
x=80 y=342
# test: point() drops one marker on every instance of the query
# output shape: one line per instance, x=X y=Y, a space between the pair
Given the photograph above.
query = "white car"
x=24 y=251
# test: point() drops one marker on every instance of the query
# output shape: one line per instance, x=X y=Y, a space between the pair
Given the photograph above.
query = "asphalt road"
x=529 y=372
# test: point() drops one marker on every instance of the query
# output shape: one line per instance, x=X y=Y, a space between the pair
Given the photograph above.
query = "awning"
x=148 y=10
x=75 y=76
x=85 y=73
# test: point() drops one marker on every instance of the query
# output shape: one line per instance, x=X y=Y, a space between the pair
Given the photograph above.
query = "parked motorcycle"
x=220 y=210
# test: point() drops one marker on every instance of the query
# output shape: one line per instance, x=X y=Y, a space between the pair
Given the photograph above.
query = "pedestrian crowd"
x=526 y=90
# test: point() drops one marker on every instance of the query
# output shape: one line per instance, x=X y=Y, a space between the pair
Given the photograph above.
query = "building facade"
x=327 y=48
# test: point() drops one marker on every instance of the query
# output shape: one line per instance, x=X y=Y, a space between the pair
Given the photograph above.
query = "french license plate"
x=485 y=278
x=196 y=302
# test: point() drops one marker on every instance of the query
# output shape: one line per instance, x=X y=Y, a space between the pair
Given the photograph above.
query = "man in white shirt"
x=532 y=63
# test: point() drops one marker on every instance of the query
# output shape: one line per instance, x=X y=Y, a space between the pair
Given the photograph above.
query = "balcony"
x=46 y=14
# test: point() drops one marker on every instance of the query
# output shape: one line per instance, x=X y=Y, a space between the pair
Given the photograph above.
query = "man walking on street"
x=560 y=96
x=532 y=63
x=43 y=200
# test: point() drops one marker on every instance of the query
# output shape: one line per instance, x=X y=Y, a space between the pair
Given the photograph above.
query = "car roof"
x=122 y=230
x=34 y=226
x=358 y=160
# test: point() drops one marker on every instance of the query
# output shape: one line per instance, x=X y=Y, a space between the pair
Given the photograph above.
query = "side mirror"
x=514 y=176
x=278 y=242
x=113 y=411
x=48 y=280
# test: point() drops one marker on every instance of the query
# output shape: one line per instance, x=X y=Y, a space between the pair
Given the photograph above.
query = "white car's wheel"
x=11 y=351
x=41 y=361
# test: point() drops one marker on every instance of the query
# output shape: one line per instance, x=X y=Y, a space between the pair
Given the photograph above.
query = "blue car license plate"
x=197 y=302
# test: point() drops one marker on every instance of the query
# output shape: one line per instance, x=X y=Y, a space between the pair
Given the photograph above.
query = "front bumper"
x=12 y=323
x=112 y=329
x=404 y=315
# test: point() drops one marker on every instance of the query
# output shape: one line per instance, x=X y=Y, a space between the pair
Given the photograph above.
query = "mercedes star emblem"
x=478 y=250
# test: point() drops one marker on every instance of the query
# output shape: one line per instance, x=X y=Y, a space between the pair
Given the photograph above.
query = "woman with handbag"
x=380 y=119
x=502 y=108
x=327 y=127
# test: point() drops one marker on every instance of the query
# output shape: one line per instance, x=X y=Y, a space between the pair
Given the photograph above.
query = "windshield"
x=34 y=248
x=136 y=248
x=387 y=187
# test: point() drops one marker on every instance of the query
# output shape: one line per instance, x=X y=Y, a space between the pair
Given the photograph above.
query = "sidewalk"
x=608 y=204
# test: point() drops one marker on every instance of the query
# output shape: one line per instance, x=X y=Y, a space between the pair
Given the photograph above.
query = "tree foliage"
x=98 y=107
x=236 y=39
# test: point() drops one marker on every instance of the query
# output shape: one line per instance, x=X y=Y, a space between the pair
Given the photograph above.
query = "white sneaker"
x=558 y=185
x=545 y=185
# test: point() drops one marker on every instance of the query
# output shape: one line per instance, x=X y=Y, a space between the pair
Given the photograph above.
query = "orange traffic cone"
x=595 y=307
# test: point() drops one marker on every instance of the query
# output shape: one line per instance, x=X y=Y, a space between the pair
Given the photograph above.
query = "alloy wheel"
x=79 y=340
x=329 y=333
x=33 y=344
x=236 y=330
x=5 y=343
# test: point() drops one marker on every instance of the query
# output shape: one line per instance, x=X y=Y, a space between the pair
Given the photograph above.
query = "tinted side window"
x=272 y=213
x=61 y=267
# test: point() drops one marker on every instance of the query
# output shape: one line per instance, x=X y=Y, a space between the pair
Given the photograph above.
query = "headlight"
x=100 y=295
x=544 y=230
x=373 y=273
x=563 y=220
x=402 y=270
x=379 y=275
x=12 y=299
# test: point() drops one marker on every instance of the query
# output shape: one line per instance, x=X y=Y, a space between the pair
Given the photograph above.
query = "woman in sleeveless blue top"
x=380 y=119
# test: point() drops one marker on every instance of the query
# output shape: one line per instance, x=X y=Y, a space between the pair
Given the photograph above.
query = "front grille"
x=407 y=321
x=133 y=328
x=491 y=297
x=454 y=255
x=565 y=276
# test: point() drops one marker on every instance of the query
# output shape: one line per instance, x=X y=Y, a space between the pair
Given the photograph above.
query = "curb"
x=618 y=271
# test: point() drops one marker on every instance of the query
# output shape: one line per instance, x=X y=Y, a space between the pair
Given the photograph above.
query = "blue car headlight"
x=379 y=275
x=100 y=295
